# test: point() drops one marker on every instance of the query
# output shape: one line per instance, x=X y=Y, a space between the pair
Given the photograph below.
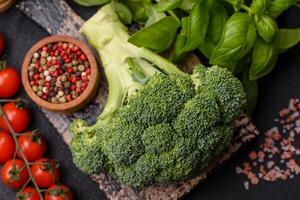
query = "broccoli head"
x=160 y=125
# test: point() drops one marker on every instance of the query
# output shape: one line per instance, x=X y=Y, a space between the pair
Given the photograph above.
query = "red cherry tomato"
x=1 y=44
x=33 y=146
x=17 y=115
x=7 y=147
x=45 y=172
x=28 y=193
x=58 y=192
x=9 y=82
x=14 y=173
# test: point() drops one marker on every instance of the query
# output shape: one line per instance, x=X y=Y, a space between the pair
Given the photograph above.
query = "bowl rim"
x=84 y=96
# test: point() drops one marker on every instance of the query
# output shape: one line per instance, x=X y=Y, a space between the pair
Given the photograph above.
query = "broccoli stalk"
x=126 y=66
x=159 y=124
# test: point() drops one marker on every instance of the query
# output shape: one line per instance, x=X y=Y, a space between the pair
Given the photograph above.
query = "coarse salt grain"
x=246 y=185
x=276 y=157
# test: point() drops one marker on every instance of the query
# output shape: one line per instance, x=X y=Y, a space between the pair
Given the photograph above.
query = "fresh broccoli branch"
x=159 y=124
x=121 y=60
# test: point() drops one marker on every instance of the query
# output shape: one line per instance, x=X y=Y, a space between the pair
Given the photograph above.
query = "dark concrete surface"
x=275 y=91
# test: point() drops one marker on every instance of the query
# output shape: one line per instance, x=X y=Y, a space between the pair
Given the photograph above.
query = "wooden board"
x=57 y=18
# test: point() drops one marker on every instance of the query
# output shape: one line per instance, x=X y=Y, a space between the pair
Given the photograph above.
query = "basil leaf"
x=278 y=6
x=165 y=5
x=197 y=25
x=123 y=13
x=206 y=47
x=237 y=4
x=180 y=40
x=264 y=58
x=194 y=28
x=217 y=22
x=266 y=27
x=158 y=36
x=137 y=9
x=215 y=29
x=236 y=41
x=251 y=89
x=260 y=6
x=287 y=38
x=91 y=2
x=153 y=15
x=186 y=5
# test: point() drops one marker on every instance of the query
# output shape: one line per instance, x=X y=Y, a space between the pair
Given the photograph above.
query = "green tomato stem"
x=11 y=100
x=28 y=181
x=18 y=148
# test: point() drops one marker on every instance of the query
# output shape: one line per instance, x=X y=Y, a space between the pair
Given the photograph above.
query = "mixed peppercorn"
x=59 y=72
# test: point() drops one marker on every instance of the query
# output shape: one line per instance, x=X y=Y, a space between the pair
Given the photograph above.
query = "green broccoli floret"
x=228 y=91
x=87 y=154
x=146 y=167
x=160 y=100
x=125 y=145
x=160 y=125
x=199 y=114
x=157 y=139
x=181 y=162
x=214 y=142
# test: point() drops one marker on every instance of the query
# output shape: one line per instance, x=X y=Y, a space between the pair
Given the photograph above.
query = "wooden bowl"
x=84 y=98
x=6 y=4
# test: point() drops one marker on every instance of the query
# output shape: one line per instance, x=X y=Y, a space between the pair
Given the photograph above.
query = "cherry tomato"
x=58 y=192
x=45 y=172
x=1 y=44
x=33 y=146
x=14 y=173
x=17 y=115
x=9 y=82
x=28 y=193
x=7 y=147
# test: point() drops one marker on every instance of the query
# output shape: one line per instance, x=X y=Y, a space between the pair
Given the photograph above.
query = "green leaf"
x=186 y=5
x=266 y=27
x=251 y=90
x=153 y=15
x=260 y=6
x=287 y=38
x=180 y=39
x=165 y=5
x=137 y=9
x=206 y=47
x=237 y=39
x=237 y=4
x=217 y=22
x=194 y=29
x=264 y=58
x=279 y=6
x=137 y=72
x=91 y=2
x=197 y=25
x=123 y=12
x=158 y=36
x=215 y=29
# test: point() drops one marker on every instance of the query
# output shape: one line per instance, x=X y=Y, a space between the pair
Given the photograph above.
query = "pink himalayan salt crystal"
x=279 y=141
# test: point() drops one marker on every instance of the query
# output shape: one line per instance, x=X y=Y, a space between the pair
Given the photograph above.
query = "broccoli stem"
x=109 y=37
